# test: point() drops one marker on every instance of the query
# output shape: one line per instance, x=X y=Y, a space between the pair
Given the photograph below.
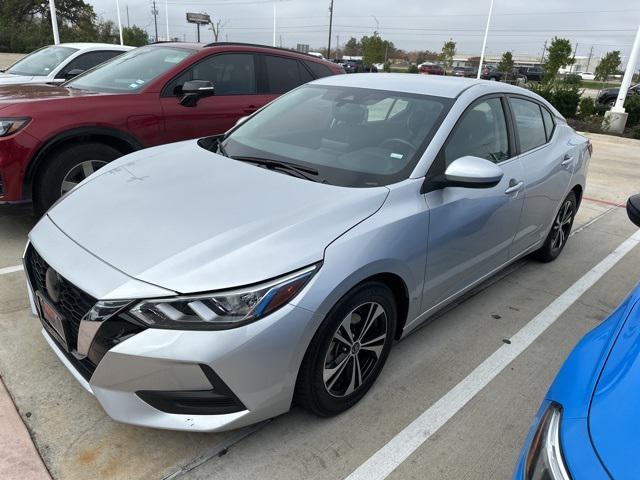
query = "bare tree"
x=216 y=27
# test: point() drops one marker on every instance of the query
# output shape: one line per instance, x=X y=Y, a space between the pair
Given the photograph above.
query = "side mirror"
x=73 y=73
x=633 y=209
x=473 y=172
x=194 y=90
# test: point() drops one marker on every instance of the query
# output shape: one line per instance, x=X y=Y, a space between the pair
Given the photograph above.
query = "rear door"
x=548 y=166
x=471 y=229
x=234 y=77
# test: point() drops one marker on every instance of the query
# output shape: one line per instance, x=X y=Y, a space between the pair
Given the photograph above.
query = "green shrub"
x=587 y=107
x=632 y=107
x=412 y=69
x=572 y=79
x=562 y=95
x=635 y=132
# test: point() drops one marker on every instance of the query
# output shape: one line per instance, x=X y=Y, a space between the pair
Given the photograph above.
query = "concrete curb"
x=19 y=458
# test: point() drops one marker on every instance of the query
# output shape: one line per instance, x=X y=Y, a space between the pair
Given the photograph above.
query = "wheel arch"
x=124 y=142
x=578 y=191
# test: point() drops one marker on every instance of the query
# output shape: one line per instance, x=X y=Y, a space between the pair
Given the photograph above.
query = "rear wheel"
x=560 y=230
x=66 y=168
x=348 y=351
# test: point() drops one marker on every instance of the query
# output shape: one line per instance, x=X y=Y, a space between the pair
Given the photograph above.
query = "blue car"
x=588 y=425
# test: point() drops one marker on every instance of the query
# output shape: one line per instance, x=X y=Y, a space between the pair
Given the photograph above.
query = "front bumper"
x=257 y=364
x=15 y=152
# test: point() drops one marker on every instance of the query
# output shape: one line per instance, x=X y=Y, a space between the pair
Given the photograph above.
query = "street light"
x=484 y=42
x=54 y=22
x=166 y=13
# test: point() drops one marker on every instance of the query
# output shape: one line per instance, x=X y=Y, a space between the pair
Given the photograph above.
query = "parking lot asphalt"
x=482 y=436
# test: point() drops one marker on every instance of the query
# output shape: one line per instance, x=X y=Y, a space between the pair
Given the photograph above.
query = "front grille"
x=73 y=303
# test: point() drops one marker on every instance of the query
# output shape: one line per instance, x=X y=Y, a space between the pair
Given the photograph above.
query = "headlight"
x=223 y=310
x=544 y=460
x=11 y=125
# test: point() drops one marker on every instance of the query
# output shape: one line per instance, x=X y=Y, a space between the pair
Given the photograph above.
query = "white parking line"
x=390 y=456
x=15 y=268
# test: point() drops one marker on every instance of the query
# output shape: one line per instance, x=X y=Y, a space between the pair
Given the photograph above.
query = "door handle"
x=567 y=160
x=250 y=109
x=514 y=187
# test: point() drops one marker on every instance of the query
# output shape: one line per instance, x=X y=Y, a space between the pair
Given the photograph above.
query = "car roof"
x=439 y=86
x=88 y=45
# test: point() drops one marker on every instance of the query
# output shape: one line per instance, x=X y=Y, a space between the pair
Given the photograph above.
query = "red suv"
x=52 y=137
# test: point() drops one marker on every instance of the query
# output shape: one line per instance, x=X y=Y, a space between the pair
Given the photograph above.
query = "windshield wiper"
x=298 y=170
x=221 y=149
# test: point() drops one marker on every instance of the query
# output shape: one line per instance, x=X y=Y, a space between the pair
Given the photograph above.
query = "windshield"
x=353 y=136
x=132 y=71
x=41 y=62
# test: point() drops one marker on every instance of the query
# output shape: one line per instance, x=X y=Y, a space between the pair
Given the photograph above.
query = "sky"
x=521 y=26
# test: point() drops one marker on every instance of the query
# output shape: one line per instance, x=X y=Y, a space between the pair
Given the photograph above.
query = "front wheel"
x=560 y=230
x=66 y=168
x=348 y=351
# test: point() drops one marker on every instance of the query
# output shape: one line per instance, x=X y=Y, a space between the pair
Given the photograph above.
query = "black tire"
x=311 y=391
x=554 y=245
x=49 y=182
x=610 y=102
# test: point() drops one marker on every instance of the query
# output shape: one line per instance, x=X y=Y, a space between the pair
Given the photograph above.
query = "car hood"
x=12 y=94
x=614 y=416
x=11 y=79
x=181 y=217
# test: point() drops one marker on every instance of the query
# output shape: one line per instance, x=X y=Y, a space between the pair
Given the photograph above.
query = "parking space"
x=482 y=435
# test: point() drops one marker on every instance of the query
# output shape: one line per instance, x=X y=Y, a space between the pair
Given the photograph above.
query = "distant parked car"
x=491 y=73
x=56 y=64
x=585 y=75
x=587 y=426
x=431 y=69
x=358 y=66
x=468 y=72
x=608 y=96
x=52 y=137
x=532 y=74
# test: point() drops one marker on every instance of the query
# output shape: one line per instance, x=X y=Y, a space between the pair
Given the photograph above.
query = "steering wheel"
x=397 y=140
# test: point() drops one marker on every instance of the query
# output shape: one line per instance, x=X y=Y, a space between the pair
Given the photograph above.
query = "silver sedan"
x=206 y=285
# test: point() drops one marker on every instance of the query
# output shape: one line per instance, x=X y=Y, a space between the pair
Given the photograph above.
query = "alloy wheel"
x=562 y=225
x=79 y=173
x=355 y=349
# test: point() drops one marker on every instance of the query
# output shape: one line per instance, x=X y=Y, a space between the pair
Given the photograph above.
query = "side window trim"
x=167 y=93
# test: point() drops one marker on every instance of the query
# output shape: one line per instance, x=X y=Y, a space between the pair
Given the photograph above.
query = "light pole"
x=274 y=24
x=616 y=119
x=377 y=23
x=484 y=42
x=330 y=26
x=119 y=22
x=166 y=14
x=54 y=22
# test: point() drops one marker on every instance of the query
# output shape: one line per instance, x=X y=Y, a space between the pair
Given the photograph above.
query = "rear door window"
x=529 y=122
x=548 y=123
x=283 y=74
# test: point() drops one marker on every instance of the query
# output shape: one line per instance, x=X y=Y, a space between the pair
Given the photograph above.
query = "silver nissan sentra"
x=208 y=284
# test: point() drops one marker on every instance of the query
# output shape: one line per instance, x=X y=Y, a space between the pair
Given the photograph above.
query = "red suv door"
x=237 y=94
